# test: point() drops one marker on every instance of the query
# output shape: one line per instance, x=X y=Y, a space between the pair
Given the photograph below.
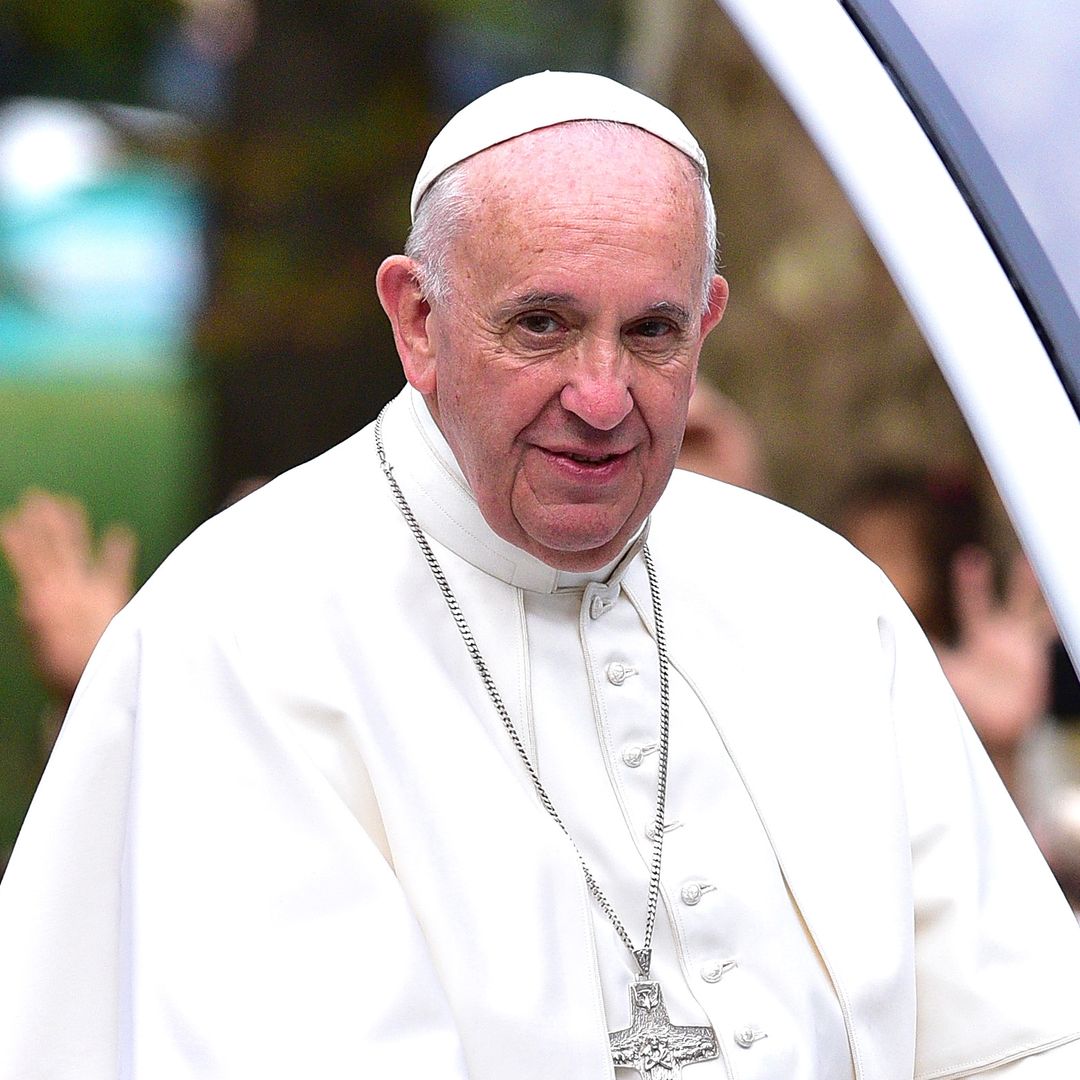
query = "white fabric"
x=283 y=832
x=543 y=100
x=608 y=804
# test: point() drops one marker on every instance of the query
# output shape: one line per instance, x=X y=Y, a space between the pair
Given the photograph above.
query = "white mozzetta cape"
x=284 y=835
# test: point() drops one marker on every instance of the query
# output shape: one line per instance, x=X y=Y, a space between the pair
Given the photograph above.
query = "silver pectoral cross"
x=652 y=1044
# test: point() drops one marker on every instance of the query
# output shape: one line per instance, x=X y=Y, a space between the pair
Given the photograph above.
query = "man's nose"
x=598 y=389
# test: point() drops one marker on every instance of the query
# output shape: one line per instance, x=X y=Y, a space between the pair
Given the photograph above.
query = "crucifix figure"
x=652 y=1044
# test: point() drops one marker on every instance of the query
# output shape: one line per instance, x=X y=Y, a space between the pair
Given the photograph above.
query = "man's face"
x=565 y=356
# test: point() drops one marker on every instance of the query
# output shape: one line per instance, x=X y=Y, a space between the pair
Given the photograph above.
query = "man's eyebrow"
x=537 y=299
x=676 y=312
x=523 y=301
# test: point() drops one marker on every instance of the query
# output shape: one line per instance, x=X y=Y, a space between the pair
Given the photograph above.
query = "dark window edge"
x=979 y=181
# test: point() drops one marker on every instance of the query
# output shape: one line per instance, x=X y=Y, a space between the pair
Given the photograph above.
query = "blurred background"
x=194 y=198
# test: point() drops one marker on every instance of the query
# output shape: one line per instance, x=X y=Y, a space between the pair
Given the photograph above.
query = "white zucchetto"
x=543 y=100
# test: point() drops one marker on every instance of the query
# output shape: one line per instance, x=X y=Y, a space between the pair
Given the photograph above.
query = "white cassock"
x=284 y=834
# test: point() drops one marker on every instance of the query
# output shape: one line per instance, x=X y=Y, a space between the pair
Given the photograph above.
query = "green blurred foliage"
x=575 y=35
x=84 y=49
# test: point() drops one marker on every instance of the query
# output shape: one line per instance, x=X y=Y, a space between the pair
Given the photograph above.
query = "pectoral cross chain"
x=652 y=1044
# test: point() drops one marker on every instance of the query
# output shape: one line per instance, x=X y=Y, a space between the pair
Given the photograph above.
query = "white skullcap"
x=542 y=100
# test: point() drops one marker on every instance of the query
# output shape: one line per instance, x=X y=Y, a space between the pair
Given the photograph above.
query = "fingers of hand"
x=116 y=561
x=1022 y=593
x=973 y=585
x=45 y=535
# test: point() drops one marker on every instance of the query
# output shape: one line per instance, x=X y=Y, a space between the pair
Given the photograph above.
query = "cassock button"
x=669 y=826
x=747 y=1036
x=692 y=893
x=618 y=673
x=635 y=755
x=714 y=971
x=600 y=605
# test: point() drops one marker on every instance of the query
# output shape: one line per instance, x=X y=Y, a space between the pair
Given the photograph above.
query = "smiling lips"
x=586 y=464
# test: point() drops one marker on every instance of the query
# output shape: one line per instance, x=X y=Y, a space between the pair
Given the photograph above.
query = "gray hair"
x=448 y=202
x=443 y=208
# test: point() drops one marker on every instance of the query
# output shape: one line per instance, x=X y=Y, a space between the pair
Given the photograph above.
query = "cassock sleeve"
x=189 y=897
x=997 y=950
x=1057 y=1063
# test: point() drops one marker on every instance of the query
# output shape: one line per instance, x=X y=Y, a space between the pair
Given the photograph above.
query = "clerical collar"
x=440 y=496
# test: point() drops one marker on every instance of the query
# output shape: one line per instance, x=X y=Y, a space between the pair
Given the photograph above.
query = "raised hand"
x=1000 y=664
x=68 y=589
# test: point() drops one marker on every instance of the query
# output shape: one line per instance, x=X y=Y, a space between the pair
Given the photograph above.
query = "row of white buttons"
x=617 y=674
x=713 y=972
x=691 y=893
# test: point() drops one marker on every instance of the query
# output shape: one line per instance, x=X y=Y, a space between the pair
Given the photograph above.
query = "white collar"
x=444 y=505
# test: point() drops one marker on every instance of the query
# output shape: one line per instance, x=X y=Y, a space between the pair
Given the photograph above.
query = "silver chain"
x=643 y=955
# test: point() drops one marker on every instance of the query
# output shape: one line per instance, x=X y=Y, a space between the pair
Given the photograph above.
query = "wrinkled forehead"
x=573 y=202
x=581 y=159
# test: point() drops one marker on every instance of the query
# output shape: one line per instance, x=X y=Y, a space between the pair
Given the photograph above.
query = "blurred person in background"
x=997 y=646
x=722 y=441
x=68 y=587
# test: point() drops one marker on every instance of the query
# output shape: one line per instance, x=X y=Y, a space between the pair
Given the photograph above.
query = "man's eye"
x=652 y=328
x=539 y=323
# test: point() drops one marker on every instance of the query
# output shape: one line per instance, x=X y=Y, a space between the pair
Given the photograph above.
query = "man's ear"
x=399 y=293
x=714 y=312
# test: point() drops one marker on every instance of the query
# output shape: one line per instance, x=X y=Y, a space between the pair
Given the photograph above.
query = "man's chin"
x=574 y=537
x=577 y=552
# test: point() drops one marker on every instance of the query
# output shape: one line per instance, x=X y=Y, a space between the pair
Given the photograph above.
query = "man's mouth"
x=589 y=459
x=581 y=464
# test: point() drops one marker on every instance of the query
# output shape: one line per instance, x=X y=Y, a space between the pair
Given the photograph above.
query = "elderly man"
x=481 y=747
